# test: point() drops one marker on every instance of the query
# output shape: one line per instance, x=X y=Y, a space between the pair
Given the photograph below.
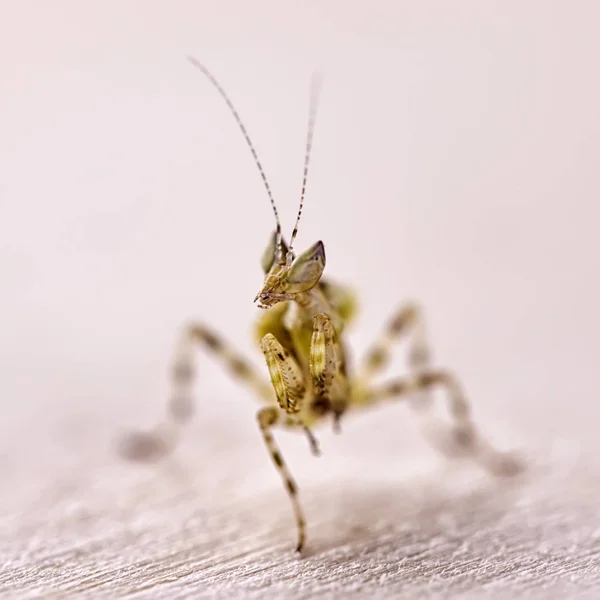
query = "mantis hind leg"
x=463 y=437
x=162 y=440
x=407 y=322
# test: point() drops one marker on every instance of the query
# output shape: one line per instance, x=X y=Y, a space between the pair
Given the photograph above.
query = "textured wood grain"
x=77 y=523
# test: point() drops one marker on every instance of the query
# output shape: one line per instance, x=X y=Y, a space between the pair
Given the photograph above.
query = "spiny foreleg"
x=288 y=382
x=330 y=386
x=291 y=392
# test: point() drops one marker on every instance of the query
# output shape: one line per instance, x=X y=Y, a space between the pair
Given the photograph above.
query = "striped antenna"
x=236 y=116
x=315 y=87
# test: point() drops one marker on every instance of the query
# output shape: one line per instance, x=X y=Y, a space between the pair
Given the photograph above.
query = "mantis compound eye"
x=306 y=270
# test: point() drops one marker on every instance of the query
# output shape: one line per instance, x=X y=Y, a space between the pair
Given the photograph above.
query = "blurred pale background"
x=455 y=163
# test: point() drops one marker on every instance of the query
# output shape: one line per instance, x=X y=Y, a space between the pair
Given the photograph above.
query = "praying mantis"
x=300 y=332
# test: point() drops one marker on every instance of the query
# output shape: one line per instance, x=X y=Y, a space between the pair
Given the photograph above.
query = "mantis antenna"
x=236 y=116
x=315 y=87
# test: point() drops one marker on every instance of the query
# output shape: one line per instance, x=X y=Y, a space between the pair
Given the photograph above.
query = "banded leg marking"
x=465 y=438
x=330 y=385
x=407 y=320
x=268 y=417
x=154 y=445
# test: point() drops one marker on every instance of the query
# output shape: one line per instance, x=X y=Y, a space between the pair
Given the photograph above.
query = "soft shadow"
x=357 y=519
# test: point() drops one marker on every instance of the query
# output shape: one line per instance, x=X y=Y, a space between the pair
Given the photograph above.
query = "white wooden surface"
x=386 y=518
